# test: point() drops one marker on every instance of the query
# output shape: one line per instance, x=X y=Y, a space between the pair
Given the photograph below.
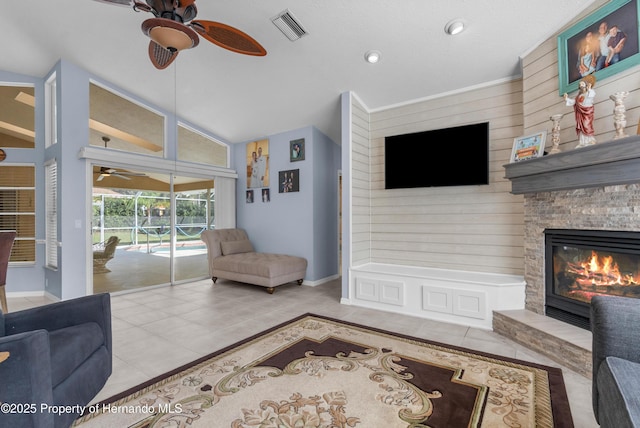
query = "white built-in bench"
x=460 y=297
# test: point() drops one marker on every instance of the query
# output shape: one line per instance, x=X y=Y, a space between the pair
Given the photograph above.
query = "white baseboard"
x=320 y=281
x=51 y=296
x=22 y=294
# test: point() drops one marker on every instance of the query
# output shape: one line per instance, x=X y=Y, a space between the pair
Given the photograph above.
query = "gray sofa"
x=231 y=256
x=615 y=324
x=53 y=355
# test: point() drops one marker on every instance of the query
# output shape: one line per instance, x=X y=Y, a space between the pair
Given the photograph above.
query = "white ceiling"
x=240 y=98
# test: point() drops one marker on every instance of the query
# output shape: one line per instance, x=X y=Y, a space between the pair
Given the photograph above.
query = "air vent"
x=289 y=25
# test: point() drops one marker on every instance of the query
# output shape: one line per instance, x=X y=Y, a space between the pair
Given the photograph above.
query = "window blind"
x=17 y=209
x=51 y=213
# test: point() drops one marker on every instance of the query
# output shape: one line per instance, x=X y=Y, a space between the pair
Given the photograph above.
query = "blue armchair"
x=615 y=322
x=58 y=355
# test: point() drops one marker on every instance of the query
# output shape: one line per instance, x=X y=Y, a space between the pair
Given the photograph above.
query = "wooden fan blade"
x=118 y=2
x=228 y=37
x=160 y=57
x=131 y=174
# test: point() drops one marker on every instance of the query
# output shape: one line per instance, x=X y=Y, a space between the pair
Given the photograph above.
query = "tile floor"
x=157 y=330
x=149 y=269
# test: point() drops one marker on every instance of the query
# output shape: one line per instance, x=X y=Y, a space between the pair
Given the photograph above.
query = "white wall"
x=476 y=228
x=473 y=228
x=361 y=182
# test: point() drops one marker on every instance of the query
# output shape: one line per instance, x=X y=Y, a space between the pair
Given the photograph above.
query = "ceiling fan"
x=173 y=29
x=111 y=172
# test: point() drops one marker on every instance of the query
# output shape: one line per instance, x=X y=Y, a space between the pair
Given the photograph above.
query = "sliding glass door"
x=156 y=221
x=193 y=201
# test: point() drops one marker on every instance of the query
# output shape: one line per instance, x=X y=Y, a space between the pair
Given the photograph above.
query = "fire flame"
x=602 y=271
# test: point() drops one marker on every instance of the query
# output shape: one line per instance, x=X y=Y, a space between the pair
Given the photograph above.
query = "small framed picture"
x=266 y=195
x=289 y=181
x=528 y=147
x=296 y=150
x=249 y=196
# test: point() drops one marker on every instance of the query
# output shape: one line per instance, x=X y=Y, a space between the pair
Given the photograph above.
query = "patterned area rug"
x=320 y=372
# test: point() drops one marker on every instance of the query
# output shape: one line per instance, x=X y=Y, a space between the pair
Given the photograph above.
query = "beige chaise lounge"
x=231 y=256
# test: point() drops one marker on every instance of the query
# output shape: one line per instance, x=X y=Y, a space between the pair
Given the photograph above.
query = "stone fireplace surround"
x=592 y=188
x=601 y=208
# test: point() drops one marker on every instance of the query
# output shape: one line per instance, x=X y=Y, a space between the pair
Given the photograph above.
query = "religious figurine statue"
x=555 y=133
x=619 y=119
x=584 y=110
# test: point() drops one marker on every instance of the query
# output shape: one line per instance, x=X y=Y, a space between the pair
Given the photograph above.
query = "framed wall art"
x=603 y=44
x=528 y=147
x=266 y=195
x=296 y=150
x=289 y=181
x=258 y=164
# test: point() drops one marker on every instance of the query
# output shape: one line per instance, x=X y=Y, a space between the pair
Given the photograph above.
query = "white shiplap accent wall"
x=472 y=228
x=541 y=98
x=361 y=181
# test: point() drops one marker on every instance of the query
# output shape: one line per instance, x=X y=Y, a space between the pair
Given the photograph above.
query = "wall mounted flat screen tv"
x=457 y=156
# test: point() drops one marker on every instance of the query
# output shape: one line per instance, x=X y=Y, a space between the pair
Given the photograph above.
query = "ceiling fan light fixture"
x=169 y=34
x=174 y=28
x=372 y=56
x=455 y=26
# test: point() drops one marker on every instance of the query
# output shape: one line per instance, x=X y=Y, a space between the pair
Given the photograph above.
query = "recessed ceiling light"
x=372 y=57
x=454 y=27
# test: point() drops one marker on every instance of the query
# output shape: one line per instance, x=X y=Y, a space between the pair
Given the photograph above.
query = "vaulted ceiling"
x=239 y=97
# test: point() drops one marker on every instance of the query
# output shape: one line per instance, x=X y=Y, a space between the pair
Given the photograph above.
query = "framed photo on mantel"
x=528 y=147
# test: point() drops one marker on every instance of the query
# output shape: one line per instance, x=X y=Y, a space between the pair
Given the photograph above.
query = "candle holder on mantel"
x=555 y=133
x=619 y=119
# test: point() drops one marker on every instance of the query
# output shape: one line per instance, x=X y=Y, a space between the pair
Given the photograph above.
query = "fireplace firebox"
x=580 y=264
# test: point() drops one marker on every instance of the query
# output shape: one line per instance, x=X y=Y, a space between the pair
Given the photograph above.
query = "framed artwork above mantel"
x=579 y=51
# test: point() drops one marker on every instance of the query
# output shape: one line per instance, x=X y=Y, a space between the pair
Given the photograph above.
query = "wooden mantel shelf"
x=603 y=164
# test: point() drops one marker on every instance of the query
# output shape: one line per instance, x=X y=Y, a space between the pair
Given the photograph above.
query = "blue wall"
x=73 y=134
x=303 y=223
x=326 y=166
x=346 y=117
x=74 y=271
